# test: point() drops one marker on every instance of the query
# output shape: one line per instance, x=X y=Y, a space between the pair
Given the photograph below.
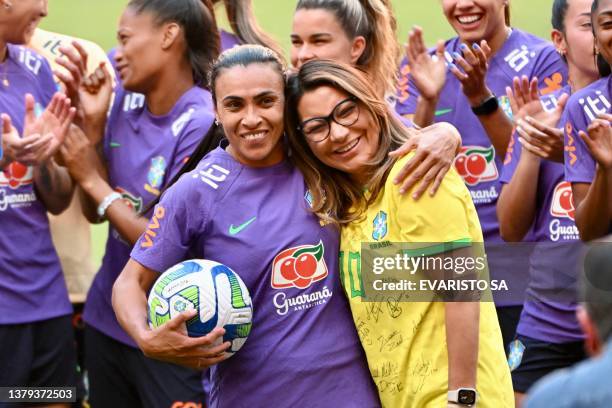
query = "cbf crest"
x=379 y=226
x=155 y=177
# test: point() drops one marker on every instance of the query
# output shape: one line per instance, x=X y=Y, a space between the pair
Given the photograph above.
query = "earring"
x=216 y=122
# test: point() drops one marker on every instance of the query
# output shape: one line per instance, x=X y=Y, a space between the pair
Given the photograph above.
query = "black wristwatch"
x=487 y=107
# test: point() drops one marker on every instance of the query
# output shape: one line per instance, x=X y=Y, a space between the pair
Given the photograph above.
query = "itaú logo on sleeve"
x=16 y=175
x=476 y=164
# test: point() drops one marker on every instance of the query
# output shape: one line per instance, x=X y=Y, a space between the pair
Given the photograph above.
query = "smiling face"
x=602 y=20
x=139 y=54
x=249 y=103
x=317 y=34
x=23 y=16
x=475 y=20
x=348 y=148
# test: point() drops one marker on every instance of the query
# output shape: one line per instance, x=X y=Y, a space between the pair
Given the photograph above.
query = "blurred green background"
x=96 y=20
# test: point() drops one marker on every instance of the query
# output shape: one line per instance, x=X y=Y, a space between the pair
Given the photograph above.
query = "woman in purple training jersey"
x=159 y=115
x=363 y=33
x=588 y=138
x=35 y=329
x=535 y=194
x=464 y=84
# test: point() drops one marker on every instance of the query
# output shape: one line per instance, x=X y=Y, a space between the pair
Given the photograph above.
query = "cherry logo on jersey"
x=476 y=164
x=16 y=175
x=299 y=267
x=563 y=201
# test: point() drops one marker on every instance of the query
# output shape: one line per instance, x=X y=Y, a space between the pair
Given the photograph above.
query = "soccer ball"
x=217 y=292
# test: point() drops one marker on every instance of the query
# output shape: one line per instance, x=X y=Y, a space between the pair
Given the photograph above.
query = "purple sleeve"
x=550 y=70
x=513 y=155
x=579 y=164
x=407 y=94
x=48 y=86
x=172 y=228
x=189 y=138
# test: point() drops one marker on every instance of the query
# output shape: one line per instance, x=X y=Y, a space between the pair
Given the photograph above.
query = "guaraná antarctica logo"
x=299 y=267
x=476 y=164
x=563 y=201
x=16 y=175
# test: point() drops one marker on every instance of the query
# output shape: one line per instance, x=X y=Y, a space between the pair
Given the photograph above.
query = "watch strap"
x=453 y=396
x=487 y=107
x=106 y=202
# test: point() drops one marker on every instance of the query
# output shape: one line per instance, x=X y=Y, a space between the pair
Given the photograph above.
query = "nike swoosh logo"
x=442 y=112
x=115 y=144
x=235 y=230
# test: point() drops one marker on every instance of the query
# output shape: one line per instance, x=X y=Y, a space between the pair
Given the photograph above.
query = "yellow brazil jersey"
x=405 y=342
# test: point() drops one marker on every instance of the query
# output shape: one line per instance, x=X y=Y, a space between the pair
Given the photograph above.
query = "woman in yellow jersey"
x=422 y=353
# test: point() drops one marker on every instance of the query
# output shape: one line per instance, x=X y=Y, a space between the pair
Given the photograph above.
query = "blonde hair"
x=337 y=198
x=373 y=20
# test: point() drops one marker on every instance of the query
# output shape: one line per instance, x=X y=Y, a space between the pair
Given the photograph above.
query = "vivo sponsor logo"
x=16 y=200
x=133 y=101
x=519 y=58
x=300 y=302
x=594 y=106
x=558 y=231
x=180 y=123
x=484 y=196
x=31 y=61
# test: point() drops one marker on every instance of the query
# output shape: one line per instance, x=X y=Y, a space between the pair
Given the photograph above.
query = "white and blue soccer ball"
x=216 y=291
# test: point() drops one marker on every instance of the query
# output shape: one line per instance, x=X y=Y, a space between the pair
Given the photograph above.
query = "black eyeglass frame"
x=331 y=117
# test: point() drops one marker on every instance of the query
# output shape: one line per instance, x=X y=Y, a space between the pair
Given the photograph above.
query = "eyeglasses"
x=345 y=113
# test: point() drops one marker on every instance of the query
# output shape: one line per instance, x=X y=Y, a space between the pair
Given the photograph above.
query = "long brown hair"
x=242 y=19
x=337 y=198
x=373 y=20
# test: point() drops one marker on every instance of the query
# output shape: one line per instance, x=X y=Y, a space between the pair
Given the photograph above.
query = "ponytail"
x=374 y=21
x=244 y=24
x=197 y=20
x=381 y=58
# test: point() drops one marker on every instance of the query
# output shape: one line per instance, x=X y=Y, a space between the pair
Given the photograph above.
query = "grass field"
x=97 y=20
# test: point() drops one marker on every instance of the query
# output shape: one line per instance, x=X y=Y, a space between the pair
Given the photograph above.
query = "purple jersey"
x=303 y=349
x=549 y=313
x=143 y=152
x=583 y=107
x=32 y=285
x=477 y=163
x=228 y=40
